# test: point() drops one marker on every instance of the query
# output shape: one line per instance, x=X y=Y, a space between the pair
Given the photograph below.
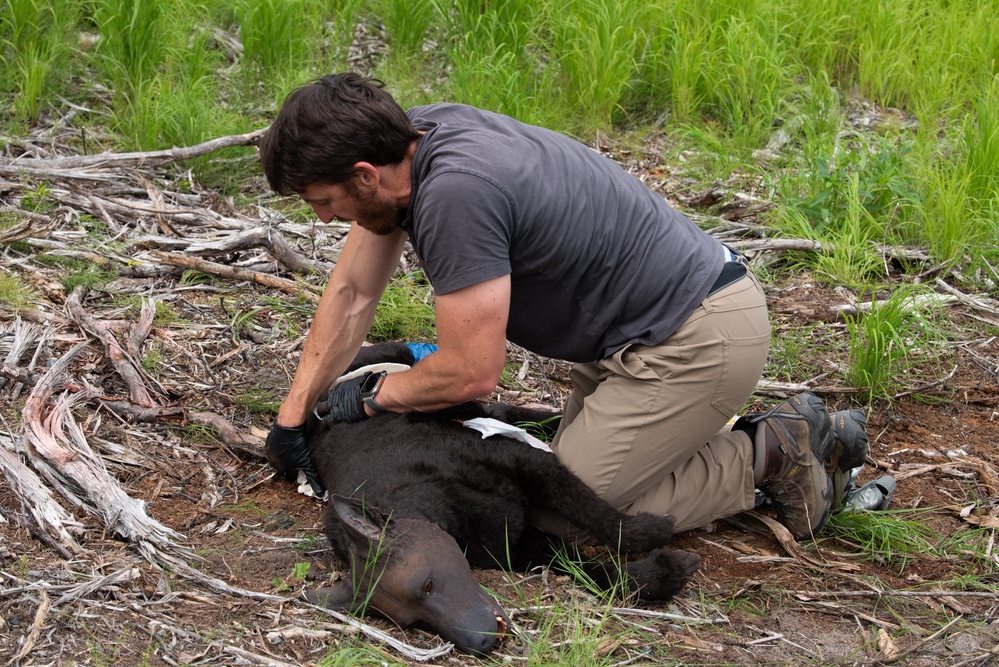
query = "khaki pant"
x=646 y=428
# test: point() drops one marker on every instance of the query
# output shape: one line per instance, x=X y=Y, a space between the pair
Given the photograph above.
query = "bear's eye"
x=428 y=585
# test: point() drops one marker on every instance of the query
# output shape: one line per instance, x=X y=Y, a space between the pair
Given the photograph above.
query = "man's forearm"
x=334 y=338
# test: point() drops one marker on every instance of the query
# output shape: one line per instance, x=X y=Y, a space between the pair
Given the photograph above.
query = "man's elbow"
x=477 y=387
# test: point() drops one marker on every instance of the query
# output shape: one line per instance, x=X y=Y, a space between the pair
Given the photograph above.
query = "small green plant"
x=36 y=199
x=790 y=351
x=133 y=41
x=152 y=360
x=893 y=339
x=191 y=277
x=275 y=34
x=14 y=293
x=405 y=311
x=602 y=577
x=258 y=400
x=894 y=537
x=407 y=23
x=84 y=273
x=243 y=321
x=543 y=430
x=297 y=576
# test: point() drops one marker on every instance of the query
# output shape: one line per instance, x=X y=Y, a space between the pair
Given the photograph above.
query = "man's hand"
x=288 y=451
x=342 y=403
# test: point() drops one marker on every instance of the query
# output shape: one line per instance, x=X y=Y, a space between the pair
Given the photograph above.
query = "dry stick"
x=36 y=629
x=17 y=375
x=123 y=363
x=141 y=328
x=259 y=237
x=760 y=245
x=291 y=286
x=806 y=595
x=59 y=449
x=71 y=465
x=147 y=159
x=920 y=644
x=986 y=305
x=247 y=445
x=127 y=573
x=418 y=654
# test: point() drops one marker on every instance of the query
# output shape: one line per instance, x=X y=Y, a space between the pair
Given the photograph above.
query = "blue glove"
x=421 y=350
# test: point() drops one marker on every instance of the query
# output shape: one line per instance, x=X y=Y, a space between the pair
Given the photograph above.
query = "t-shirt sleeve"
x=462 y=230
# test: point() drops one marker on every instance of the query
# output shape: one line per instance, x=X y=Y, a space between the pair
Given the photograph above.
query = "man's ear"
x=366 y=175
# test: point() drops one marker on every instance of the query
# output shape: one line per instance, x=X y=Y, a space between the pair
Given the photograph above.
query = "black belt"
x=731 y=273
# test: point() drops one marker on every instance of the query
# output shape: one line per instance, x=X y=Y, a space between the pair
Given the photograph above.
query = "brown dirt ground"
x=778 y=609
x=821 y=606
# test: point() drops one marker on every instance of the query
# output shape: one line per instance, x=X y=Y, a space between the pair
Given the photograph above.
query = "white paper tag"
x=488 y=426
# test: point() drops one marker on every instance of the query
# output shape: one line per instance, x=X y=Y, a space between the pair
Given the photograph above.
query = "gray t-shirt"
x=597 y=261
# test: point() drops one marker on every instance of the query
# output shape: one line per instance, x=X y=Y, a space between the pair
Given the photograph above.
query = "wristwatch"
x=370 y=389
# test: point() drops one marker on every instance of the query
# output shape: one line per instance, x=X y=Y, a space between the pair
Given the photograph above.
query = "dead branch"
x=260 y=237
x=48 y=514
x=36 y=629
x=291 y=286
x=411 y=652
x=23 y=336
x=775 y=245
x=126 y=366
x=138 y=413
x=914 y=302
x=59 y=450
x=985 y=305
x=133 y=160
x=142 y=328
x=17 y=375
x=248 y=445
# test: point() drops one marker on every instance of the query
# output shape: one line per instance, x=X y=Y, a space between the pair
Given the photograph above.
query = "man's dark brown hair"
x=327 y=126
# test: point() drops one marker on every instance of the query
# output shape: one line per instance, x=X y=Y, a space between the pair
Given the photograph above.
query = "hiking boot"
x=792 y=441
x=849 y=451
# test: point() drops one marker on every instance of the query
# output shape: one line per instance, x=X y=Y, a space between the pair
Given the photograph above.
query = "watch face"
x=372 y=383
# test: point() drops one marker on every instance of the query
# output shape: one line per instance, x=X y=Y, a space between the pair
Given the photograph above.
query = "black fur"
x=430 y=467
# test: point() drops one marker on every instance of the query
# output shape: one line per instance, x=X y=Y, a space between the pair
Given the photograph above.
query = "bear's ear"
x=363 y=524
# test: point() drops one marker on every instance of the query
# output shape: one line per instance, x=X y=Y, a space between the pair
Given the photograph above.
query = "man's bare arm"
x=471 y=337
x=343 y=317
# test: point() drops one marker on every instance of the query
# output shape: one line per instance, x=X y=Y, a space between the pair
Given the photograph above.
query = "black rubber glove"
x=288 y=452
x=342 y=403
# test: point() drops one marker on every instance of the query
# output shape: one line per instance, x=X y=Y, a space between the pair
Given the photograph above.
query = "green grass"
x=405 y=311
x=894 y=345
x=15 y=294
x=259 y=400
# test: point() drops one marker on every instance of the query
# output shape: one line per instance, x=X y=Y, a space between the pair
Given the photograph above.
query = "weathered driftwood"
x=58 y=449
x=36 y=496
x=914 y=302
x=137 y=336
x=245 y=444
x=980 y=304
x=125 y=364
x=259 y=237
x=134 y=160
x=234 y=273
x=41 y=613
